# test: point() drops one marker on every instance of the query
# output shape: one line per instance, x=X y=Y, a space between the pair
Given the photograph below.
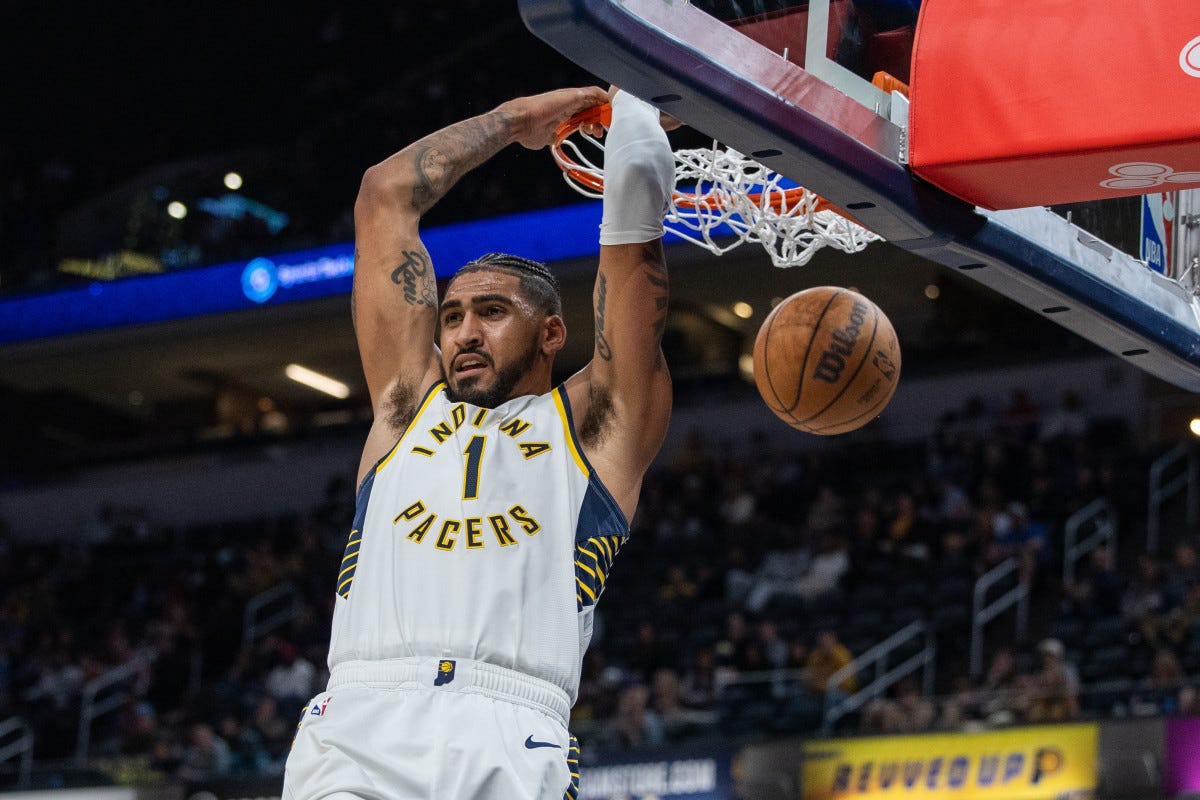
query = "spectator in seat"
x=1055 y=689
x=59 y=679
x=137 y=727
x=247 y=755
x=165 y=758
x=667 y=703
x=774 y=648
x=999 y=689
x=826 y=510
x=273 y=730
x=595 y=690
x=953 y=503
x=827 y=657
x=290 y=681
x=1189 y=701
x=778 y=575
x=1015 y=535
x=647 y=653
x=825 y=572
x=731 y=650
x=1159 y=694
x=904 y=535
x=206 y=755
x=797 y=654
x=1098 y=593
x=739 y=503
x=635 y=724
x=1144 y=595
x=962 y=709
x=1183 y=573
x=908 y=712
x=1065 y=422
x=1169 y=630
x=1019 y=421
x=678 y=589
x=700 y=683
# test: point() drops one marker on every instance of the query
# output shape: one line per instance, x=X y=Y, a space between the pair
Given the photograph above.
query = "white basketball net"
x=732 y=193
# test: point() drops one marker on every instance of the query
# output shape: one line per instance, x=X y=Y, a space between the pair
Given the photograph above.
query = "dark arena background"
x=990 y=591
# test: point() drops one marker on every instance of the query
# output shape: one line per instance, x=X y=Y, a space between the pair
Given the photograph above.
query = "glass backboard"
x=794 y=85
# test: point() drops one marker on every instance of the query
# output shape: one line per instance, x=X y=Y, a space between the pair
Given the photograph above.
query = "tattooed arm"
x=395 y=292
x=622 y=400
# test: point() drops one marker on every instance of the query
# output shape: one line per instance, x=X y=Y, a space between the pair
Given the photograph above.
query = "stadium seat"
x=951 y=616
x=1105 y=662
x=1104 y=697
x=801 y=713
x=908 y=614
x=1068 y=630
x=1107 y=631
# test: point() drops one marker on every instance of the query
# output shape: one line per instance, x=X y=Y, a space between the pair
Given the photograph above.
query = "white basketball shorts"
x=433 y=729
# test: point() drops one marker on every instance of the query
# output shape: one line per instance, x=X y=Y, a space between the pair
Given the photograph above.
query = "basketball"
x=826 y=360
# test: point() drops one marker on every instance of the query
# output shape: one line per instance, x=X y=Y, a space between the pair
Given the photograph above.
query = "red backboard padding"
x=1031 y=102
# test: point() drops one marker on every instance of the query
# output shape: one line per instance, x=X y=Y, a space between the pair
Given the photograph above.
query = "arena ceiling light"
x=315 y=380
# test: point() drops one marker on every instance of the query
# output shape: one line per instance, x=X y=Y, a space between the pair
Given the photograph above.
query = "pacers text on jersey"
x=473 y=532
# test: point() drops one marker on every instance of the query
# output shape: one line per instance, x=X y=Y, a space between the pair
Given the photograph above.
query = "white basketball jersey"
x=484 y=534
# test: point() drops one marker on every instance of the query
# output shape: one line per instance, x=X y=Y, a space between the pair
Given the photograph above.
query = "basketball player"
x=490 y=503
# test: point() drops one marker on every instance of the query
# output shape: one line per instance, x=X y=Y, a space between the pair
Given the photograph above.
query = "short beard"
x=501 y=390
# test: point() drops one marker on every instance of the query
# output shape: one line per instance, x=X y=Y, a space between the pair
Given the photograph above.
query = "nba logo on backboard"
x=445 y=672
x=1158 y=222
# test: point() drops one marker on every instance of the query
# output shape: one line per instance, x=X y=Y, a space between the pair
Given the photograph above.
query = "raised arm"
x=395 y=292
x=622 y=399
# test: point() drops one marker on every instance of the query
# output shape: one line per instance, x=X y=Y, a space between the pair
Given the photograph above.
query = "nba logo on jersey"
x=319 y=710
x=445 y=672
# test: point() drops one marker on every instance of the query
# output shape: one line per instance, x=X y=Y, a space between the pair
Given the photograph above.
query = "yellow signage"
x=1055 y=762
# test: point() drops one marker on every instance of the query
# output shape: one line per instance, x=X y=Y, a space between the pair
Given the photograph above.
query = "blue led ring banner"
x=546 y=235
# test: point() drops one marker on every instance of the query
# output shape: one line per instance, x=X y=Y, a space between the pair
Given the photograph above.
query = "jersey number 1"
x=474 y=454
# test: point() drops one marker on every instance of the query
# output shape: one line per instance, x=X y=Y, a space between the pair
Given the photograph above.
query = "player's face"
x=490 y=338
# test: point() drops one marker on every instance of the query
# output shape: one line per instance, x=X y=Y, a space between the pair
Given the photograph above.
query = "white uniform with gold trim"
x=479 y=547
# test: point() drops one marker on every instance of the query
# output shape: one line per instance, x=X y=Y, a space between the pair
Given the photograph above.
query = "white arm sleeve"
x=639 y=173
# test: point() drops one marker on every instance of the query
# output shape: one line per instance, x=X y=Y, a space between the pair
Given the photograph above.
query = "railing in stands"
x=269 y=610
x=984 y=612
x=106 y=693
x=1098 y=514
x=838 y=704
x=17 y=737
x=1164 y=487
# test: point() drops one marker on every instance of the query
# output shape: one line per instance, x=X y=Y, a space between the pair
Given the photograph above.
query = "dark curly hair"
x=537 y=282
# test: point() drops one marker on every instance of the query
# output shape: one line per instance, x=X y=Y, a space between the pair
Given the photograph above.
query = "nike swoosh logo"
x=531 y=744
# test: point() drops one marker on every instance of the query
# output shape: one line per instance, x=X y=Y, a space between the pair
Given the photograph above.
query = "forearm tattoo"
x=660 y=287
x=603 y=349
x=440 y=159
x=415 y=276
x=656 y=274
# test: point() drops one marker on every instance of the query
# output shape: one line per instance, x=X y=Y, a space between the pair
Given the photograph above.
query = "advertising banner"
x=267 y=788
x=673 y=775
x=1055 y=762
x=1181 y=770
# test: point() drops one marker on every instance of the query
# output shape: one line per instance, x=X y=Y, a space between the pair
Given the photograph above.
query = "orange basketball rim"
x=594 y=182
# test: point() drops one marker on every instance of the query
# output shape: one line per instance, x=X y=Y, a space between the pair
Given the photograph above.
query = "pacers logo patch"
x=445 y=672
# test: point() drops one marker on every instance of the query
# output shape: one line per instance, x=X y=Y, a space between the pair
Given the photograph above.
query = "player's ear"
x=554 y=334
